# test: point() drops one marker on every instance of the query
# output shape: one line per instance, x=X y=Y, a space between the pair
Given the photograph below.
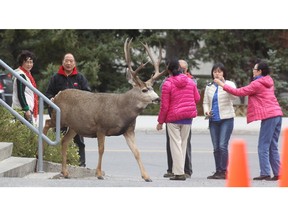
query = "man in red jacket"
x=68 y=77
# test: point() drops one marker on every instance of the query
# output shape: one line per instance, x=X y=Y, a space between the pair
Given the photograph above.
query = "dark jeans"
x=220 y=132
x=188 y=160
x=268 y=152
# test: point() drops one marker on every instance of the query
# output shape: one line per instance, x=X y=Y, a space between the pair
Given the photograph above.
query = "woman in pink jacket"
x=263 y=105
x=179 y=96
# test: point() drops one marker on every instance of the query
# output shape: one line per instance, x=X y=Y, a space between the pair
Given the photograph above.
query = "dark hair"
x=174 y=67
x=221 y=67
x=264 y=67
x=24 y=56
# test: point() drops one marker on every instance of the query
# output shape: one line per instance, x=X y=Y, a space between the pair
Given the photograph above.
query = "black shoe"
x=274 y=178
x=222 y=175
x=168 y=175
x=266 y=177
x=187 y=175
x=218 y=175
x=82 y=165
x=178 y=177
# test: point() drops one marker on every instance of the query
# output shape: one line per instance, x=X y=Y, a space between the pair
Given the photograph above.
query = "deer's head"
x=147 y=86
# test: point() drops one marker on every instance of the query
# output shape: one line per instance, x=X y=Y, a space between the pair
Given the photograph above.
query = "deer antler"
x=156 y=64
x=136 y=79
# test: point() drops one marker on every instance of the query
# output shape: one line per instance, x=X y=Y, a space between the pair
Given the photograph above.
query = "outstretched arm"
x=244 y=91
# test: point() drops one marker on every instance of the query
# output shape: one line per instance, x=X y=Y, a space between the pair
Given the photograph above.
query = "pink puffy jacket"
x=178 y=99
x=262 y=103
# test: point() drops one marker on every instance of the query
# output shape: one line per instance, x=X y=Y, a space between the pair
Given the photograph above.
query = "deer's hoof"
x=100 y=173
x=100 y=177
x=64 y=174
x=148 y=180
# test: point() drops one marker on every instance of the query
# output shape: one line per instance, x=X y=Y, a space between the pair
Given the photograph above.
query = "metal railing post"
x=40 y=140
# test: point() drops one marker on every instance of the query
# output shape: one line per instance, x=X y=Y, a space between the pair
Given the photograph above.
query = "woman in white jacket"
x=23 y=97
x=218 y=108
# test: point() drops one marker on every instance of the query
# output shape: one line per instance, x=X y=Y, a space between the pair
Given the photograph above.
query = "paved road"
x=119 y=161
x=123 y=186
x=122 y=170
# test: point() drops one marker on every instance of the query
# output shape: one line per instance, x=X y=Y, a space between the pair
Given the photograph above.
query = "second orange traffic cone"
x=238 y=174
x=283 y=173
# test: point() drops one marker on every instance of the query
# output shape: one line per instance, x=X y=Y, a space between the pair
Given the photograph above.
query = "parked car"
x=6 y=88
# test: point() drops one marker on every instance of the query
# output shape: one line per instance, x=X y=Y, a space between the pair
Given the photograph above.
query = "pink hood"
x=178 y=99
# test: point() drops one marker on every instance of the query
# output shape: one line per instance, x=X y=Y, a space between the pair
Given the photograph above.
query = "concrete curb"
x=200 y=125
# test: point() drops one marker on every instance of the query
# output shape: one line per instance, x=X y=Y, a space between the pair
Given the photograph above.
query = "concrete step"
x=74 y=171
x=43 y=175
x=17 y=167
x=5 y=150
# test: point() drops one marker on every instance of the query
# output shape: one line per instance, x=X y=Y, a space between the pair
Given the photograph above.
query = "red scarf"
x=29 y=75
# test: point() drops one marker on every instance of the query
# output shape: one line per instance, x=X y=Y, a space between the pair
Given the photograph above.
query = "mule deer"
x=107 y=114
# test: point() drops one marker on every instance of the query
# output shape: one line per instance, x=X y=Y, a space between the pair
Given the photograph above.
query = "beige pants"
x=178 y=134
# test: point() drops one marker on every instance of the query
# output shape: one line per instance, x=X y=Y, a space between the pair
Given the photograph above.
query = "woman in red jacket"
x=179 y=96
x=263 y=105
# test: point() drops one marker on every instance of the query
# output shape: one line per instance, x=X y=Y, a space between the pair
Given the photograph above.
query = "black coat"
x=60 y=82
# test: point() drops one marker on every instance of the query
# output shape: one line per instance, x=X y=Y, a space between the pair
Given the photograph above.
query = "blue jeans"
x=268 y=146
x=220 y=132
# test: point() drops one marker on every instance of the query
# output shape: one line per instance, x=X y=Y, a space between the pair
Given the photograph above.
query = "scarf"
x=29 y=75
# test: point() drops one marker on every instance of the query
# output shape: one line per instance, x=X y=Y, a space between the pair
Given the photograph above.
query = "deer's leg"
x=130 y=139
x=64 y=144
x=47 y=126
x=101 y=141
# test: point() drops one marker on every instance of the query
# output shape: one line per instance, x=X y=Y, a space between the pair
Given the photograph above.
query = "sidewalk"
x=200 y=125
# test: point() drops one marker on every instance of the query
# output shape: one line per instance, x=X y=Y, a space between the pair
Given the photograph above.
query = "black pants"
x=79 y=140
x=188 y=160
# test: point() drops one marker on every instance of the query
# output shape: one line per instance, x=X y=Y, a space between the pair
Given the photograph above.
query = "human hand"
x=159 y=126
x=28 y=114
x=208 y=115
x=219 y=81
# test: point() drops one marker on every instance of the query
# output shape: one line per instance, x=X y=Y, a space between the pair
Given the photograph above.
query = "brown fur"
x=99 y=115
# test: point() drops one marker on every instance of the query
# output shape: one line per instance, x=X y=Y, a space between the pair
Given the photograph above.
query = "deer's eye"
x=144 y=90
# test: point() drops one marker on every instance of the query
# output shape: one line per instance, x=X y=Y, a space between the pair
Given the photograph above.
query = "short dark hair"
x=24 y=56
x=264 y=67
x=221 y=67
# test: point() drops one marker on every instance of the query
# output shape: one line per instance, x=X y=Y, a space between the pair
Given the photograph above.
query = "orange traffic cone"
x=238 y=175
x=283 y=173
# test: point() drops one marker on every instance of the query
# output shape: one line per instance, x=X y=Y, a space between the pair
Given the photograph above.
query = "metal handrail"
x=38 y=131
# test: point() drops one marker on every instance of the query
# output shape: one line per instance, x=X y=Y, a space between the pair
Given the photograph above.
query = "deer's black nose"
x=156 y=100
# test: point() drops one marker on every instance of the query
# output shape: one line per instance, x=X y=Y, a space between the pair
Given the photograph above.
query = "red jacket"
x=262 y=103
x=178 y=99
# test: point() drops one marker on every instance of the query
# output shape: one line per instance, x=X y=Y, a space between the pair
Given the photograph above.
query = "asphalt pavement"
x=123 y=188
x=147 y=124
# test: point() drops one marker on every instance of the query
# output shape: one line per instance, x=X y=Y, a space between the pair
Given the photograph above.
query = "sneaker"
x=168 y=175
x=217 y=175
x=263 y=177
x=274 y=178
x=178 y=177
